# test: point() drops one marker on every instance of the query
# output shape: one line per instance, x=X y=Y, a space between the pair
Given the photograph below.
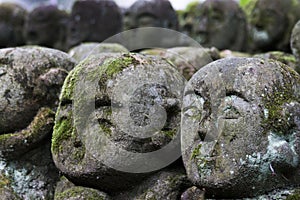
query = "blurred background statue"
x=46 y=26
x=218 y=23
x=271 y=23
x=151 y=13
x=93 y=21
x=12 y=19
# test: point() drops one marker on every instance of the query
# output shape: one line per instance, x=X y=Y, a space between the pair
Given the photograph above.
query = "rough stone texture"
x=295 y=44
x=193 y=193
x=31 y=78
x=12 y=19
x=46 y=26
x=286 y=58
x=83 y=50
x=6 y=192
x=150 y=13
x=240 y=127
x=65 y=190
x=187 y=59
x=167 y=184
x=93 y=21
x=271 y=23
x=18 y=143
x=78 y=132
x=218 y=23
x=33 y=176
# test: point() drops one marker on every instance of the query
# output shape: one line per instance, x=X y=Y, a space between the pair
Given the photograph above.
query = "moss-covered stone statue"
x=151 y=13
x=30 y=83
x=271 y=23
x=12 y=19
x=241 y=128
x=218 y=23
x=46 y=26
x=93 y=21
x=295 y=44
x=115 y=109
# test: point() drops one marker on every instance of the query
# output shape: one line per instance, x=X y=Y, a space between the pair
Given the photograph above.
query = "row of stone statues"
x=261 y=25
x=124 y=119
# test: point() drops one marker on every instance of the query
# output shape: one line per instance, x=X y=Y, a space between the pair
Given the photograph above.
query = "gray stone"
x=114 y=110
x=32 y=176
x=164 y=185
x=193 y=193
x=187 y=59
x=31 y=78
x=65 y=190
x=83 y=50
x=240 y=127
x=295 y=44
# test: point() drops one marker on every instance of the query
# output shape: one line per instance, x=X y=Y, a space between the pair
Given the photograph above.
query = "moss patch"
x=62 y=131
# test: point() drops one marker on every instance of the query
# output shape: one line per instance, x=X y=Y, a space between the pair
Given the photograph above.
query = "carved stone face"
x=220 y=24
x=93 y=21
x=241 y=119
x=45 y=26
x=150 y=13
x=271 y=23
x=12 y=19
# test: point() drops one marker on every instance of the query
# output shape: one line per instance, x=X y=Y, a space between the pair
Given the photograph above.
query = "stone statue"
x=46 y=26
x=12 y=18
x=93 y=21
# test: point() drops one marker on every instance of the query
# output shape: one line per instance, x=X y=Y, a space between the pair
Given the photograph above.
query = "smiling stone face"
x=218 y=23
x=240 y=125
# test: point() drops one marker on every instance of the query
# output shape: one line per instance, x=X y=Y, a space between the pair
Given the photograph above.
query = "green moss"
x=294 y=196
x=62 y=131
x=86 y=193
x=196 y=151
x=4 y=181
x=274 y=100
x=170 y=133
x=116 y=65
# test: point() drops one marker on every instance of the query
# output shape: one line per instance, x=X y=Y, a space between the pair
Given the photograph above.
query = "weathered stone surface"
x=12 y=19
x=32 y=176
x=150 y=13
x=193 y=193
x=285 y=58
x=240 y=127
x=6 y=192
x=218 y=23
x=167 y=184
x=271 y=23
x=93 y=21
x=15 y=144
x=295 y=44
x=65 y=190
x=46 y=26
x=99 y=113
x=31 y=78
x=187 y=59
x=83 y=50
